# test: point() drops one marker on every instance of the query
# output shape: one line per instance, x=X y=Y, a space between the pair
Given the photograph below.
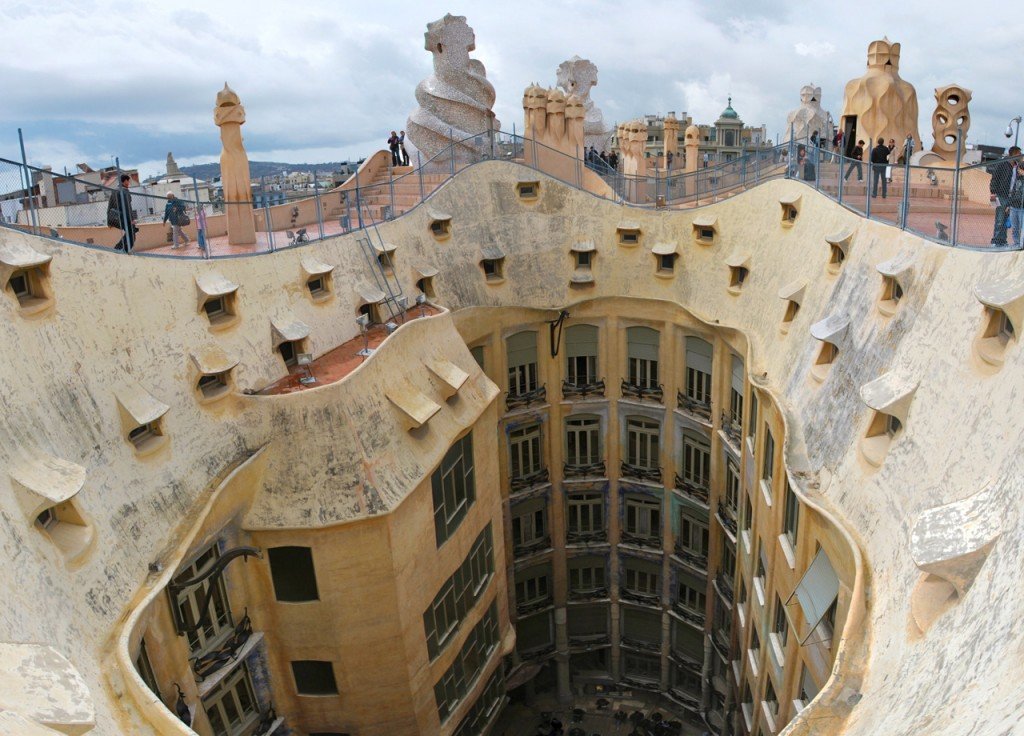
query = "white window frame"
x=585 y=433
x=643 y=517
x=643 y=443
x=525 y=451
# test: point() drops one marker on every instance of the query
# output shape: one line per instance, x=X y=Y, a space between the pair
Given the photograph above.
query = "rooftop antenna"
x=363 y=320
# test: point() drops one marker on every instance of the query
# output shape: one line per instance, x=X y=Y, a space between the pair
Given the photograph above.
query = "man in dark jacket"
x=121 y=215
x=999 y=191
x=856 y=154
x=879 y=160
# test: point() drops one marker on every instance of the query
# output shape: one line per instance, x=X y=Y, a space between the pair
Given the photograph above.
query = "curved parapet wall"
x=114 y=348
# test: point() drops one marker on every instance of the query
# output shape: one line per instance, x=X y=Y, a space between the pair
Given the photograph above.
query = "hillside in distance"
x=258 y=169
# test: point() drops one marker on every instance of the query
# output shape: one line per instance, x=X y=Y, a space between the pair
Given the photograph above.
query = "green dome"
x=729 y=113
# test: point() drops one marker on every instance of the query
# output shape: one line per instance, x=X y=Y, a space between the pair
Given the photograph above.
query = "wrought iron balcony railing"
x=641 y=644
x=647 y=599
x=693 y=617
x=588 y=641
x=724 y=587
x=695 y=491
x=683 y=697
x=641 y=472
x=577 y=537
x=643 y=393
x=684 y=661
x=700 y=409
x=522 y=482
x=531 y=606
x=641 y=682
x=727 y=517
x=652 y=541
x=519 y=401
x=691 y=558
x=580 y=470
x=732 y=429
x=591 y=594
x=520 y=549
x=571 y=390
x=537 y=652
x=206 y=664
x=720 y=649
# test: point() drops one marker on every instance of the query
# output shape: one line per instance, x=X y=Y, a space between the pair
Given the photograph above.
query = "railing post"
x=906 y=184
x=419 y=170
x=956 y=187
x=359 y=204
x=319 y=208
x=33 y=218
x=391 y=188
x=869 y=180
x=514 y=141
x=200 y=222
x=451 y=146
x=842 y=176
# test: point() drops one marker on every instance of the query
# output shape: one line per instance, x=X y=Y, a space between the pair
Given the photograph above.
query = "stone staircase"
x=376 y=195
x=925 y=198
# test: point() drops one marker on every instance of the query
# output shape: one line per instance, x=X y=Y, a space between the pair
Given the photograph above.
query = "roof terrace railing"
x=962 y=206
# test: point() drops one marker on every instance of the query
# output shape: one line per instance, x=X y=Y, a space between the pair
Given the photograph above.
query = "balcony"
x=645 y=599
x=720 y=645
x=576 y=470
x=529 y=546
x=574 y=536
x=694 y=491
x=640 y=644
x=650 y=541
x=724 y=587
x=522 y=482
x=731 y=429
x=640 y=472
x=642 y=393
x=691 y=558
x=684 y=698
x=572 y=390
x=586 y=642
x=641 y=682
x=528 y=607
x=590 y=594
x=700 y=409
x=685 y=662
x=690 y=616
x=537 y=652
x=521 y=401
x=727 y=518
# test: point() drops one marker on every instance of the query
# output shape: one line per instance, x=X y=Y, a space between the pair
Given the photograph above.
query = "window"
x=145 y=669
x=532 y=586
x=747 y=517
x=220 y=310
x=587 y=577
x=493 y=268
x=696 y=460
x=464 y=671
x=19 y=284
x=628 y=236
x=372 y=312
x=586 y=516
x=314 y=677
x=792 y=307
x=426 y=286
x=791 y=515
x=483 y=709
x=642 y=443
x=789 y=213
x=736 y=392
x=768 y=460
x=584 y=259
x=826 y=357
x=732 y=485
x=587 y=623
x=780 y=625
x=761 y=573
x=643 y=519
x=146 y=435
x=529 y=525
x=459 y=593
x=478 y=355
x=692 y=597
x=581 y=354
x=666 y=262
x=318 y=286
x=641 y=628
x=64 y=525
x=441 y=228
x=453 y=488
x=642 y=362
x=643 y=578
x=752 y=422
x=693 y=536
x=892 y=292
x=582 y=441
x=291 y=569
x=737 y=275
x=522 y=363
x=30 y=286
x=642 y=667
x=218 y=624
x=525 y=459
x=698 y=371
x=231 y=707
x=212 y=385
x=528 y=189
x=289 y=351
x=771 y=704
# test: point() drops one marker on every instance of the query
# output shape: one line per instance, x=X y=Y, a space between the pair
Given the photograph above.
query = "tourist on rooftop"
x=393 y=143
x=174 y=212
x=1016 y=200
x=879 y=162
x=120 y=214
x=999 y=190
x=401 y=148
x=855 y=156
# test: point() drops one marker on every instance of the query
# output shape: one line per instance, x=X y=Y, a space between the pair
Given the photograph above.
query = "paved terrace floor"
x=519 y=719
x=337 y=363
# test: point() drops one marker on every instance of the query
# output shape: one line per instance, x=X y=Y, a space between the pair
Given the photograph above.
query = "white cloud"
x=817 y=49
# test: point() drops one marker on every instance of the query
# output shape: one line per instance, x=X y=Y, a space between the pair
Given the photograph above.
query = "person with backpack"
x=121 y=215
x=174 y=212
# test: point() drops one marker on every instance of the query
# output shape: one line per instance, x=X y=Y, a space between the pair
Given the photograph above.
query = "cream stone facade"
x=860 y=520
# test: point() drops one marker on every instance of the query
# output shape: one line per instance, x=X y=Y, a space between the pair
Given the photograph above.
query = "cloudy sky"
x=89 y=80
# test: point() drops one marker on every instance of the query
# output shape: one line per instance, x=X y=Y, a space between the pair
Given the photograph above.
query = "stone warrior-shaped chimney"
x=229 y=115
